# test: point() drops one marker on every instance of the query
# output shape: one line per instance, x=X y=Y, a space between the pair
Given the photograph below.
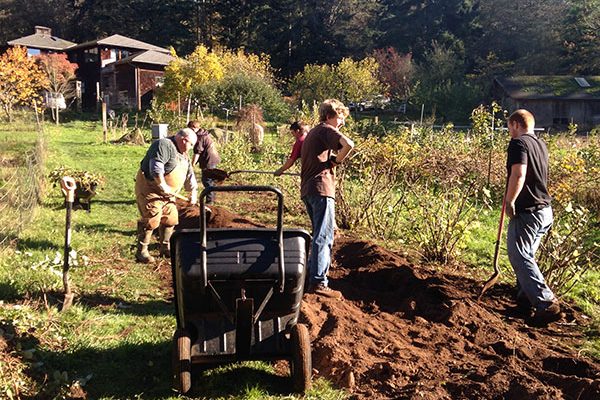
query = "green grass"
x=116 y=339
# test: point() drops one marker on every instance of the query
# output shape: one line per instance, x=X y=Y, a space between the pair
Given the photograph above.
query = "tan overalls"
x=155 y=207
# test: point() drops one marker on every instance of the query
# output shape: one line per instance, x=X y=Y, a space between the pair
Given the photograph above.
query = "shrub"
x=569 y=251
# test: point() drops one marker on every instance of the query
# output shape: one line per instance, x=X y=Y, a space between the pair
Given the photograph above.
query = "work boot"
x=144 y=236
x=164 y=238
x=544 y=314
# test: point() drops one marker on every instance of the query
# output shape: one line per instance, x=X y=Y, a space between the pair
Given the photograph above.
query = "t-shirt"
x=297 y=148
x=317 y=177
x=532 y=151
x=163 y=157
x=209 y=157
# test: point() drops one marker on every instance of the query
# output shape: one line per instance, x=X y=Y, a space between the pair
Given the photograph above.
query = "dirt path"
x=405 y=331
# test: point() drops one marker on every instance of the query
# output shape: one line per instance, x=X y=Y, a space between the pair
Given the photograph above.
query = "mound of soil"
x=407 y=331
x=218 y=217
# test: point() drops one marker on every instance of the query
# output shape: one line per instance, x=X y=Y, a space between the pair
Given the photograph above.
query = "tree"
x=396 y=71
x=60 y=74
x=582 y=38
x=20 y=80
x=185 y=76
x=348 y=81
x=443 y=85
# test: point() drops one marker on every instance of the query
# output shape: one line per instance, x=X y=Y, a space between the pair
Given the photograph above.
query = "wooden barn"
x=130 y=82
x=93 y=57
x=555 y=101
x=42 y=42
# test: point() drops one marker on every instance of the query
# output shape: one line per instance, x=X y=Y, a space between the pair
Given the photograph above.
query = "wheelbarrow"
x=238 y=294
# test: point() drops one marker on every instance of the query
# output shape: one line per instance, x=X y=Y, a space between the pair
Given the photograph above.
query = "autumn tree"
x=60 y=80
x=347 y=81
x=396 y=71
x=21 y=80
x=185 y=76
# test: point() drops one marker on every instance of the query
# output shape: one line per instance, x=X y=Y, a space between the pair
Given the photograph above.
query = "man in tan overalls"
x=165 y=169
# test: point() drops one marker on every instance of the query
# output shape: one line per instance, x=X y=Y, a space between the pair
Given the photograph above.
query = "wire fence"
x=21 y=189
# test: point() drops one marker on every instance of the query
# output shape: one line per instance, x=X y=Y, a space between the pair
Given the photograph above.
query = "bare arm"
x=287 y=165
x=195 y=158
x=347 y=146
x=514 y=187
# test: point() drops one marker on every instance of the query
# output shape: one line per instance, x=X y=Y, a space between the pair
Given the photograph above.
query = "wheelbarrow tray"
x=229 y=303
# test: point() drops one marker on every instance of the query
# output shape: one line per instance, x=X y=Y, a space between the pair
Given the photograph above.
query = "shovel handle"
x=492 y=280
x=68 y=186
x=250 y=171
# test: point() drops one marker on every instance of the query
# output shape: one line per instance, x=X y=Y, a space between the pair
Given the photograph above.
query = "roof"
x=42 y=41
x=563 y=87
x=120 y=41
x=147 y=57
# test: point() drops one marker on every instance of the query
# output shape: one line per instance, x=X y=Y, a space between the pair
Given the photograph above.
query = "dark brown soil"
x=406 y=331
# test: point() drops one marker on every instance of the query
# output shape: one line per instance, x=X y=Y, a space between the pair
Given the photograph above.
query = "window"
x=582 y=82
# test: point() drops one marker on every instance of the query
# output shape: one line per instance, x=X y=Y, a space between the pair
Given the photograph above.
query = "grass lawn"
x=116 y=339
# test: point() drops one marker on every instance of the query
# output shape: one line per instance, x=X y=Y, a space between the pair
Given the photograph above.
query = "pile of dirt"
x=407 y=331
x=216 y=217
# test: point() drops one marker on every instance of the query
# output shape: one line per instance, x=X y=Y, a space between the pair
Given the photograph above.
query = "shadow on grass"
x=129 y=370
x=96 y=300
x=95 y=228
x=35 y=244
x=126 y=202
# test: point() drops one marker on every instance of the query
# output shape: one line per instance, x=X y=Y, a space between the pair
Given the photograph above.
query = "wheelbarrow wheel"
x=301 y=363
x=182 y=361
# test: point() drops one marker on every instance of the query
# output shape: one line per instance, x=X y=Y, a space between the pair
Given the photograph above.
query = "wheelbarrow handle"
x=210 y=189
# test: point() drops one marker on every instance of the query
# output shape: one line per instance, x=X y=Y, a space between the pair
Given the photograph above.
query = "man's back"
x=532 y=151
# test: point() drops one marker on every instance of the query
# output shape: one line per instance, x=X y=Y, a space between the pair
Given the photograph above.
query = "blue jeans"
x=207 y=182
x=523 y=238
x=321 y=211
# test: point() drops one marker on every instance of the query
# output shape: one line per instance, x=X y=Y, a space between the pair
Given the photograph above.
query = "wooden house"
x=555 y=101
x=42 y=42
x=130 y=82
x=93 y=57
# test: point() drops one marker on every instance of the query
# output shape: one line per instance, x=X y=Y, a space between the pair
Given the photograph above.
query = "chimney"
x=43 y=30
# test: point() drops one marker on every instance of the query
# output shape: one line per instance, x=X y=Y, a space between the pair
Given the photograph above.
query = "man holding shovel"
x=317 y=188
x=299 y=130
x=164 y=170
x=206 y=156
x=530 y=213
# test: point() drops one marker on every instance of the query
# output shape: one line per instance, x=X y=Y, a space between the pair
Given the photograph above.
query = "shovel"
x=68 y=186
x=221 y=175
x=492 y=281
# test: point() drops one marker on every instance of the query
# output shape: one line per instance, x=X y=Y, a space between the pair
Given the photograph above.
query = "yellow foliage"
x=20 y=79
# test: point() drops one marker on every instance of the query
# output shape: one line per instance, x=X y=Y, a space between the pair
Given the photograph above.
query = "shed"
x=555 y=100
x=130 y=82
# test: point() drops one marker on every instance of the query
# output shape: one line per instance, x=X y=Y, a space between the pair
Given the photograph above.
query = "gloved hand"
x=194 y=197
x=165 y=189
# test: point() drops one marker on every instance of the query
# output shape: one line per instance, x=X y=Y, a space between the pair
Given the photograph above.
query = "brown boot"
x=144 y=236
x=164 y=237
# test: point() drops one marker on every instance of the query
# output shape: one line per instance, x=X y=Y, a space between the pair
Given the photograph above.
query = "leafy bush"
x=439 y=218
x=570 y=250
x=85 y=180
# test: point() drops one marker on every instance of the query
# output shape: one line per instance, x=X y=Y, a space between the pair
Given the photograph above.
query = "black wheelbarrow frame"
x=234 y=298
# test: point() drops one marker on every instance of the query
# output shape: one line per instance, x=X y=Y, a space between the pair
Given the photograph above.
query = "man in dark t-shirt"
x=317 y=188
x=205 y=155
x=530 y=213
